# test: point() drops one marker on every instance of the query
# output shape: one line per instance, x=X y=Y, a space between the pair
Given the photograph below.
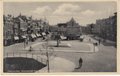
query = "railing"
x=40 y=57
x=40 y=54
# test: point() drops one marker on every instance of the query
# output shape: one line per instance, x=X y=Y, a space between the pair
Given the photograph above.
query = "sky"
x=60 y=12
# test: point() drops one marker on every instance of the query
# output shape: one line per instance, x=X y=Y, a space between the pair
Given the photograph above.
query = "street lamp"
x=48 y=61
x=47 y=53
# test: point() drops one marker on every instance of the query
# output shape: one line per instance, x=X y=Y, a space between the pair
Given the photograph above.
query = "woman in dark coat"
x=80 y=63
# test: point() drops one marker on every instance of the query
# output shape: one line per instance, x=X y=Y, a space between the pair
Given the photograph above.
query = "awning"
x=62 y=37
x=16 y=38
x=43 y=33
x=38 y=35
x=33 y=36
x=23 y=36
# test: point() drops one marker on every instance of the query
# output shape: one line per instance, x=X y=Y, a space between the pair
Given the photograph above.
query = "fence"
x=40 y=57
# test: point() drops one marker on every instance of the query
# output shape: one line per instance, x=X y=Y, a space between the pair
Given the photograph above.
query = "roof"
x=62 y=24
x=8 y=18
x=72 y=20
x=24 y=18
x=21 y=18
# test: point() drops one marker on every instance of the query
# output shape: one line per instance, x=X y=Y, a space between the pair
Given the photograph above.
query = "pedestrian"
x=31 y=49
x=43 y=37
x=80 y=63
x=89 y=40
x=99 y=41
x=26 y=41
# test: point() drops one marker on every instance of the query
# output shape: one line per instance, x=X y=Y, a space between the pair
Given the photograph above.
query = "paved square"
x=103 y=60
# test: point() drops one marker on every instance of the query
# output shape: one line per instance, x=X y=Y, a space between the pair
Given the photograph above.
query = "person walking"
x=31 y=49
x=80 y=63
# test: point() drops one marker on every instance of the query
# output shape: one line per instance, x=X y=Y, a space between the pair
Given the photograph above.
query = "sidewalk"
x=56 y=65
x=19 y=47
x=65 y=47
x=106 y=43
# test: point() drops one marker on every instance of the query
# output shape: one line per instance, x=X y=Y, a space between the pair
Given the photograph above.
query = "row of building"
x=105 y=28
x=17 y=29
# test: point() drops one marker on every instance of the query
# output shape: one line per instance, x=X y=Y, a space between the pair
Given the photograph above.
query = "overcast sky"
x=60 y=12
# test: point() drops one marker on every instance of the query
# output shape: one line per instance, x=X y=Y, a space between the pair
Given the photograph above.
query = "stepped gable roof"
x=72 y=20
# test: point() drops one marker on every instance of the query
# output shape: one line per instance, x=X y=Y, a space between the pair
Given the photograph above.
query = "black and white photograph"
x=59 y=37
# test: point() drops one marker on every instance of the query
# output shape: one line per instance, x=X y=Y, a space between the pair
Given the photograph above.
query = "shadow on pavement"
x=21 y=64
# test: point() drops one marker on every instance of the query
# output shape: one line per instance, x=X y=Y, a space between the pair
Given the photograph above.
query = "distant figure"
x=99 y=41
x=89 y=40
x=26 y=41
x=80 y=63
x=43 y=37
x=31 y=49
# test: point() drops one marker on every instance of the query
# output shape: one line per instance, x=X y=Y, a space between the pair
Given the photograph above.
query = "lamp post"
x=47 y=54
x=48 y=61
x=94 y=47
